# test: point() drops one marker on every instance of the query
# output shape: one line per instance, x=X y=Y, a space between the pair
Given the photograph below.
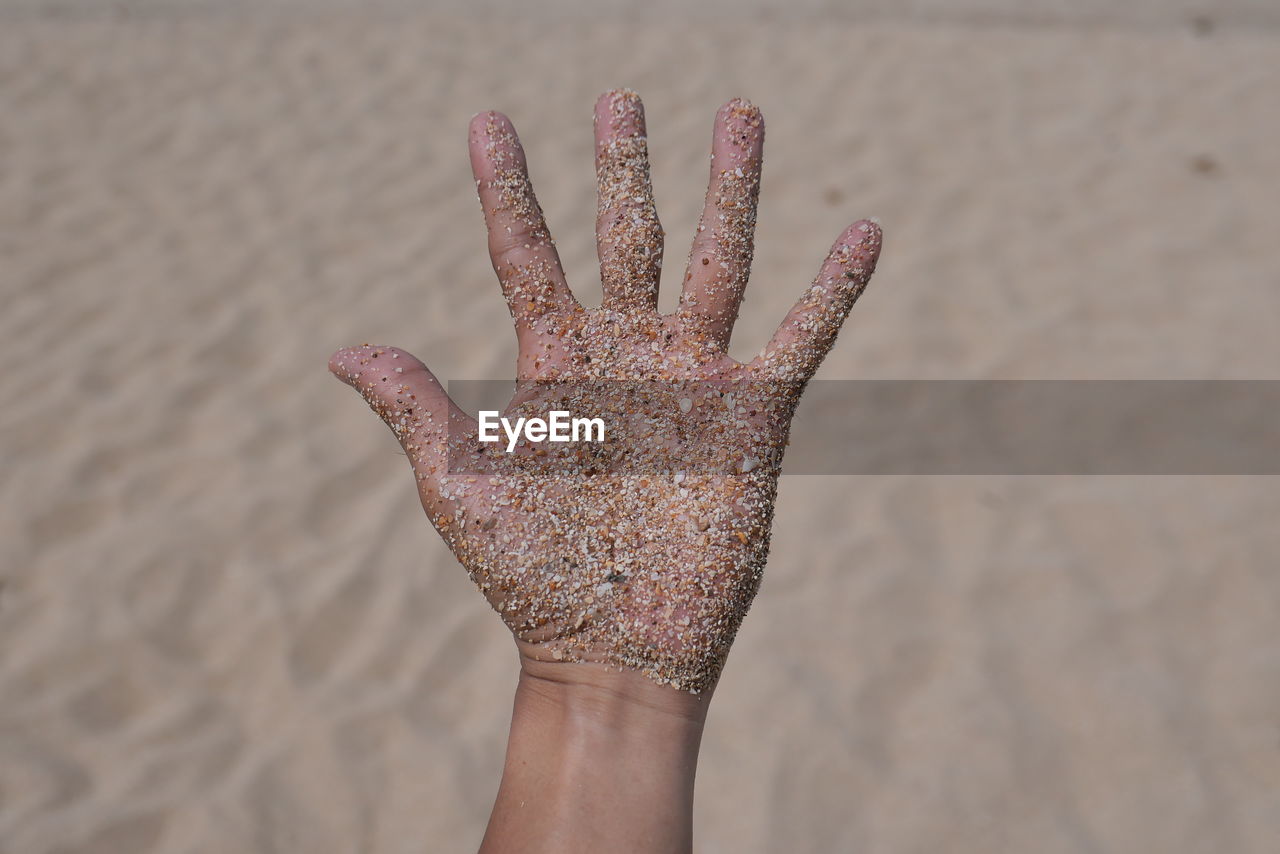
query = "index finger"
x=520 y=245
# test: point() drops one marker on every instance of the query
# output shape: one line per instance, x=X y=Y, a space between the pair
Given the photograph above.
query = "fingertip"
x=869 y=226
x=853 y=256
x=352 y=364
x=617 y=95
x=494 y=145
x=862 y=238
x=484 y=118
x=619 y=111
x=739 y=130
x=741 y=108
x=339 y=365
x=489 y=126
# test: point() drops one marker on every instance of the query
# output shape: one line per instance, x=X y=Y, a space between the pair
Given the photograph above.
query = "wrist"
x=606 y=697
x=608 y=752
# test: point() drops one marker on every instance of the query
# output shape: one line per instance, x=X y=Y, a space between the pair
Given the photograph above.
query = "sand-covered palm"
x=643 y=551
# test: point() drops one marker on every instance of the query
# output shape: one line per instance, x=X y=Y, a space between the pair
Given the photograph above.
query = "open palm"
x=644 y=552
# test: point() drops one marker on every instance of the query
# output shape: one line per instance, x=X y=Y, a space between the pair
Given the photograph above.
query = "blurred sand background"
x=225 y=625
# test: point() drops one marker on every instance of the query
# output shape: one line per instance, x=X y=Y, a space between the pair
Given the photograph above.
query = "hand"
x=653 y=567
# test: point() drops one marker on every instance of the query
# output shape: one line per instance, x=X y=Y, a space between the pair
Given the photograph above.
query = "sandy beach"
x=225 y=625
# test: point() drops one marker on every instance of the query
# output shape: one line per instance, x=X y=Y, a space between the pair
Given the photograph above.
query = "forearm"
x=597 y=760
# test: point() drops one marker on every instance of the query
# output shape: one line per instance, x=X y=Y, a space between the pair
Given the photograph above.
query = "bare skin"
x=624 y=578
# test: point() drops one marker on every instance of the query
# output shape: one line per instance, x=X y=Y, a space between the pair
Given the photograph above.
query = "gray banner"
x=963 y=427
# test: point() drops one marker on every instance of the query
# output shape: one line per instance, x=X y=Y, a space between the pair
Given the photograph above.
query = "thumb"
x=408 y=398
